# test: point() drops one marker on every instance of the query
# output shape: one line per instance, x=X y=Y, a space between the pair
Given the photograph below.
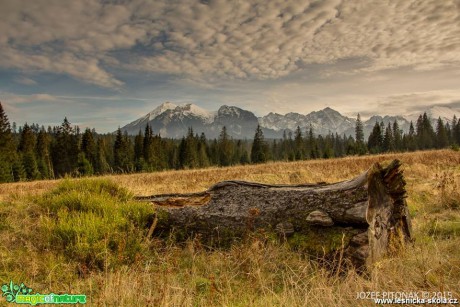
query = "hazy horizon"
x=104 y=64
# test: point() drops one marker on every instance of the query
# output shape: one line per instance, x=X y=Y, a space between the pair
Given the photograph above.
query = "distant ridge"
x=172 y=121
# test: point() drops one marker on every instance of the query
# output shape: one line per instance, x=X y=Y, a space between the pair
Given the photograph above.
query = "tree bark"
x=361 y=219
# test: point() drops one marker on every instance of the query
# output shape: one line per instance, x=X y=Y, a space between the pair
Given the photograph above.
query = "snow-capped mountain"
x=238 y=122
x=435 y=112
x=445 y=113
x=171 y=120
x=369 y=124
x=323 y=122
x=142 y=122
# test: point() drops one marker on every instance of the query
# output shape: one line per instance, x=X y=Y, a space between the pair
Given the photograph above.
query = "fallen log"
x=363 y=218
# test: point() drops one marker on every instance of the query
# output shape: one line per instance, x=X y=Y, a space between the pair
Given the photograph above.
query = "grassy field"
x=88 y=236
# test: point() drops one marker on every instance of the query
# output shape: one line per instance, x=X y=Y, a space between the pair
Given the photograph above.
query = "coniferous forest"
x=33 y=152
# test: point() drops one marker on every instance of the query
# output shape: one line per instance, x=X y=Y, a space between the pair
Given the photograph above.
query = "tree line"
x=35 y=152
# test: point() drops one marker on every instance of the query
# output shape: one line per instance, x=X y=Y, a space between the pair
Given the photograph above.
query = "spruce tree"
x=375 y=141
x=442 y=139
x=388 y=139
x=139 y=152
x=188 y=151
x=350 y=146
x=397 y=136
x=88 y=147
x=339 y=149
x=456 y=130
x=411 y=138
x=27 y=139
x=182 y=153
x=7 y=148
x=259 y=148
x=42 y=152
x=26 y=150
x=122 y=153
x=191 y=154
x=102 y=165
x=65 y=150
x=147 y=145
x=359 y=136
x=203 y=159
x=244 y=158
x=328 y=151
x=225 y=148
x=312 y=144
x=298 y=144
x=425 y=133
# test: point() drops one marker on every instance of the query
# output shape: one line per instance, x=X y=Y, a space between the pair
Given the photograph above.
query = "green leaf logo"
x=12 y=290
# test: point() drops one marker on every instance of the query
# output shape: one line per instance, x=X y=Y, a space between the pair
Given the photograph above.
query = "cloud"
x=206 y=41
x=25 y=81
x=14 y=99
x=418 y=102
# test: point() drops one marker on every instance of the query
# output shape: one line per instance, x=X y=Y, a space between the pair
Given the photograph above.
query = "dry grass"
x=252 y=273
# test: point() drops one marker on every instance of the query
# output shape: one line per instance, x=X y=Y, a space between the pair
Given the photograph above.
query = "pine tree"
x=259 y=148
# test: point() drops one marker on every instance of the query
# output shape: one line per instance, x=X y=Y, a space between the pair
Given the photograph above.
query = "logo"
x=21 y=294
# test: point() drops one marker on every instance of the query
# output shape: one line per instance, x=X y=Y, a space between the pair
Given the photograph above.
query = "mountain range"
x=173 y=121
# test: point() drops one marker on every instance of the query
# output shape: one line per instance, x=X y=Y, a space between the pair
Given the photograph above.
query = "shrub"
x=95 y=223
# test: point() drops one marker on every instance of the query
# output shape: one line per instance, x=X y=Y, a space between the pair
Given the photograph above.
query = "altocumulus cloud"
x=91 y=40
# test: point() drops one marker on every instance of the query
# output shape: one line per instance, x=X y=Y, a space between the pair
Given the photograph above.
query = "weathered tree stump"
x=363 y=218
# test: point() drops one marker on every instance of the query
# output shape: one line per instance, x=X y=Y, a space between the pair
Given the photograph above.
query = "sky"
x=106 y=63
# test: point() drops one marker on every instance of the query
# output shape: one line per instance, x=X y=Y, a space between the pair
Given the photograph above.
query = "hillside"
x=87 y=236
